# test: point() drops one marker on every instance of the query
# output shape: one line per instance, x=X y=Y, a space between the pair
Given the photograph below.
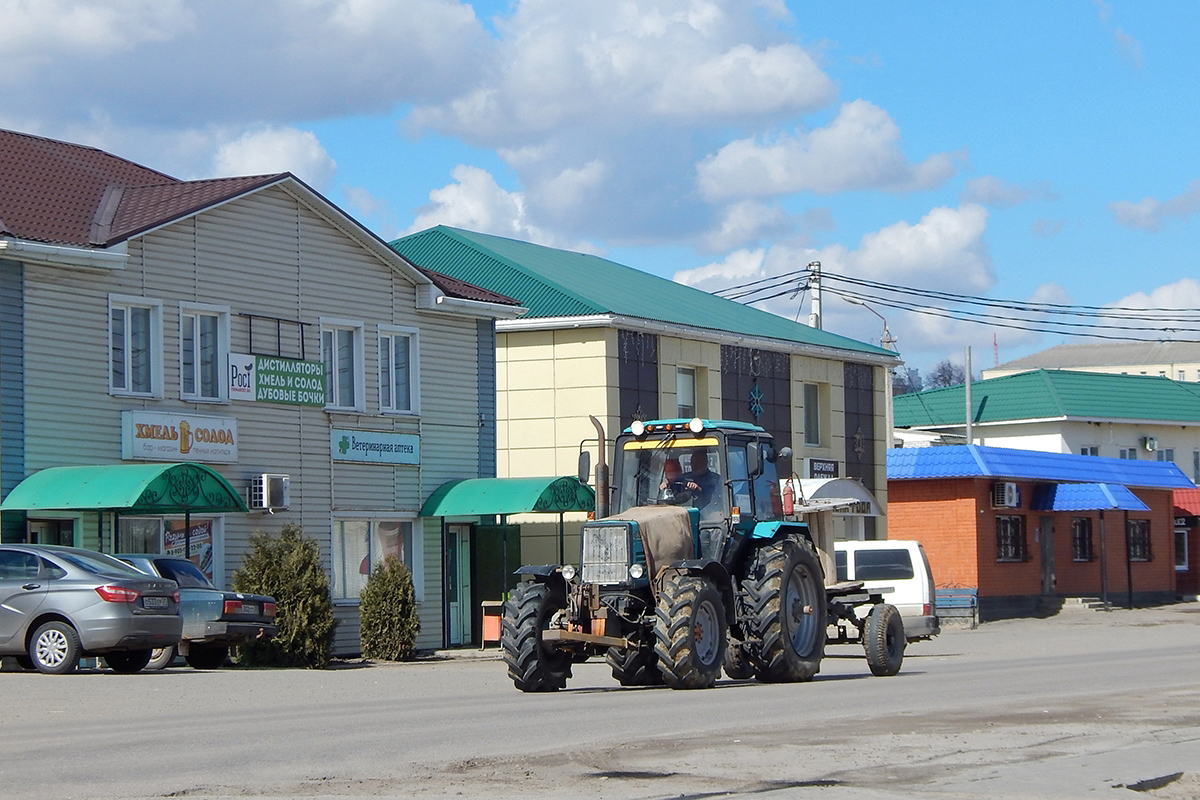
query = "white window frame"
x=125 y=303
x=193 y=311
x=1165 y=454
x=358 y=329
x=684 y=375
x=1089 y=450
x=812 y=438
x=416 y=556
x=1181 y=566
x=389 y=334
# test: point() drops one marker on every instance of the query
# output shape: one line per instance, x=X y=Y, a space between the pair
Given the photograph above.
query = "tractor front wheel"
x=786 y=594
x=690 y=632
x=533 y=665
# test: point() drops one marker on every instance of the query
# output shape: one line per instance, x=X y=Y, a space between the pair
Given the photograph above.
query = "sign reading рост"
x=270 y=379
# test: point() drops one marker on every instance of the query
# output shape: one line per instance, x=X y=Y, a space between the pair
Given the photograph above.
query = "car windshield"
x=100 y=564
x=185 y=573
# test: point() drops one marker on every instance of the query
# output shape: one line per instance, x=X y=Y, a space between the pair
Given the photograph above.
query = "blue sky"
x=1023 y=151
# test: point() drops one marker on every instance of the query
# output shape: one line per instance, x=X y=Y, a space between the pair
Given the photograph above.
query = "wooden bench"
x=958 y=604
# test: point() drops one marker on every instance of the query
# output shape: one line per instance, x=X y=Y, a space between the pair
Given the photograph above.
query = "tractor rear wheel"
x=634 y=666
x=690 y=632
x=533 y=665
x=884 y=640
x=786 y=594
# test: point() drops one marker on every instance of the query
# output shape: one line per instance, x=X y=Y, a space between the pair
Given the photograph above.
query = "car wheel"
x=207 y=656
x=54 y=648
x=161 y=657
x=128 y=661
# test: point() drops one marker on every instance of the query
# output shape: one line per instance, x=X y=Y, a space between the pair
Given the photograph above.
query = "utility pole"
x=970 y=440
x=814 y=281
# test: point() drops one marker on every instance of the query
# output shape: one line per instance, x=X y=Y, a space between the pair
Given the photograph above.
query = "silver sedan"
x=58 y=604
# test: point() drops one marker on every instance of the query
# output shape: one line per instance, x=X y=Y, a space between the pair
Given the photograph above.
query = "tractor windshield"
x=682 y=472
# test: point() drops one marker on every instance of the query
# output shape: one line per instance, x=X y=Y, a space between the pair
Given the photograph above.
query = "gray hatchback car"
x=58 y=604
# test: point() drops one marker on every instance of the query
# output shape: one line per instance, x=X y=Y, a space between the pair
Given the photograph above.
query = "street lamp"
x=887 y=340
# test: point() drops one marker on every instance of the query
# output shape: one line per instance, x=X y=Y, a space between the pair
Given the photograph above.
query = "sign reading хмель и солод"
x=271 y=379
x=374 y=447
x=158 y=436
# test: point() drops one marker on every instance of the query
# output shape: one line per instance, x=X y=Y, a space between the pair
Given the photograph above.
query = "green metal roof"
x=1042 y=394
x=128 y=488
x=477 y=496
x=561 y=283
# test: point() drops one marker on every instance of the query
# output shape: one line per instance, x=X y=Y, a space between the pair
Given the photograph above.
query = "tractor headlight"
x=568 y=571
x=637 y=427
x=696 y=425
x=637 y=571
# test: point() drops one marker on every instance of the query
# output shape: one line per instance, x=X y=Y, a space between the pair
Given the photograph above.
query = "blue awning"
x=1085 y=497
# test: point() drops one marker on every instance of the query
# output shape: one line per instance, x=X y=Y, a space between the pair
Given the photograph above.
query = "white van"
x=899 y=571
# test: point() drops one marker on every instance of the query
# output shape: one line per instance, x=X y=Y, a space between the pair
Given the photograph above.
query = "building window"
x=685 y=392
x=1010 y=538
x=360 y=545
x=1128 y=453
x=1181 y=375
x=812 y=414
x=203 y=352
x=1165 y=454
x=1181 y=549
x=341 y=349
x=135 y=346
x=1196 y=466
x=1089 y=450
x=398 y=361
x=1137 y=531
x=1081 y=539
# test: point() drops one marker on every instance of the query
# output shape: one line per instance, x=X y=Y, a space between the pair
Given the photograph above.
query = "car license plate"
x=249 y=608
x=154 y=602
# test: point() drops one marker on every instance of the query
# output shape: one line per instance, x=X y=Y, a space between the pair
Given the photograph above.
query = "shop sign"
x=194 y=544
x=155 y=436
x=375 y=447
x=822 y=468
x=270 y=379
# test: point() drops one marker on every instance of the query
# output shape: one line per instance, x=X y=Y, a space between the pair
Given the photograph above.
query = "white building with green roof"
x=1063 y=411
x=604 y=339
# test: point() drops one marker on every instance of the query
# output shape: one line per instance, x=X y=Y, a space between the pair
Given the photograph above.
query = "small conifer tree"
x=288 y=568
x=388 y=624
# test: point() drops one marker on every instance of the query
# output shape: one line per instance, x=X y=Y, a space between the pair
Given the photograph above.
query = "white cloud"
x=858 y=150
x=1129 y=47
x=744 y=222
x=989 y=190
x=1148 y=214
x=624 y=64
x=277 y=150
x=477 y=203
x=1182 y=294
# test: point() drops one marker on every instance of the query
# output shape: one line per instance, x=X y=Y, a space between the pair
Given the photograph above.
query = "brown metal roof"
x=64 y=193
x=467 y=291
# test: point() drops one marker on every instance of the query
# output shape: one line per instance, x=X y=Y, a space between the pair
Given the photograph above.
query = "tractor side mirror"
x=754 y=459
x=585 y=467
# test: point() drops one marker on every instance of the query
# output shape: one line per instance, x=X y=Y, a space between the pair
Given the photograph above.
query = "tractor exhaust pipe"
x=601 y=471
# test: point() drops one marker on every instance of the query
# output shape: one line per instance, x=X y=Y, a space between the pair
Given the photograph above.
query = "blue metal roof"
x=1085 y=497
x=978 y=461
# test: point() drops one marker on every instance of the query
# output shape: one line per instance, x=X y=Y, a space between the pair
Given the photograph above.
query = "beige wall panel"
x=531 y=403
x=530 y=345
x=579 y=343
x=529 y=374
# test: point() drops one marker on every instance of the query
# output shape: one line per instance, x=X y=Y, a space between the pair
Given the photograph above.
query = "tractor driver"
x=703 y=484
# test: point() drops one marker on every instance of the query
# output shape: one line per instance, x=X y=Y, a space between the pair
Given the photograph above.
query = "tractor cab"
x=725 y=470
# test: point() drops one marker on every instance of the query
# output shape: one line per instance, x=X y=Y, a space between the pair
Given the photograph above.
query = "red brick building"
x=1187 y=542
x=1022 y=527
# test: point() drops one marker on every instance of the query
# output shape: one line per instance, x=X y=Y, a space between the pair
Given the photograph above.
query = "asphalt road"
x=1082 y=705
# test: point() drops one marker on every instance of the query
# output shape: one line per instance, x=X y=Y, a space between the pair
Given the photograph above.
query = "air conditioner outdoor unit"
x=1006 y=495
x=270 y=491
x=1150 y=443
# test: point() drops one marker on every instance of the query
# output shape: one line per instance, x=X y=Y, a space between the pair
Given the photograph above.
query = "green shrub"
x=387 y=613
x=288 y=568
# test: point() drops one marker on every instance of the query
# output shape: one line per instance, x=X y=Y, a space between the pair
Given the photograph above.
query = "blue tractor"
x=701 y=565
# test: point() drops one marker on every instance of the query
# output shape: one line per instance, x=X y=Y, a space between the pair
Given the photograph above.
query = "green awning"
x=476 y=496
x=127 y=488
